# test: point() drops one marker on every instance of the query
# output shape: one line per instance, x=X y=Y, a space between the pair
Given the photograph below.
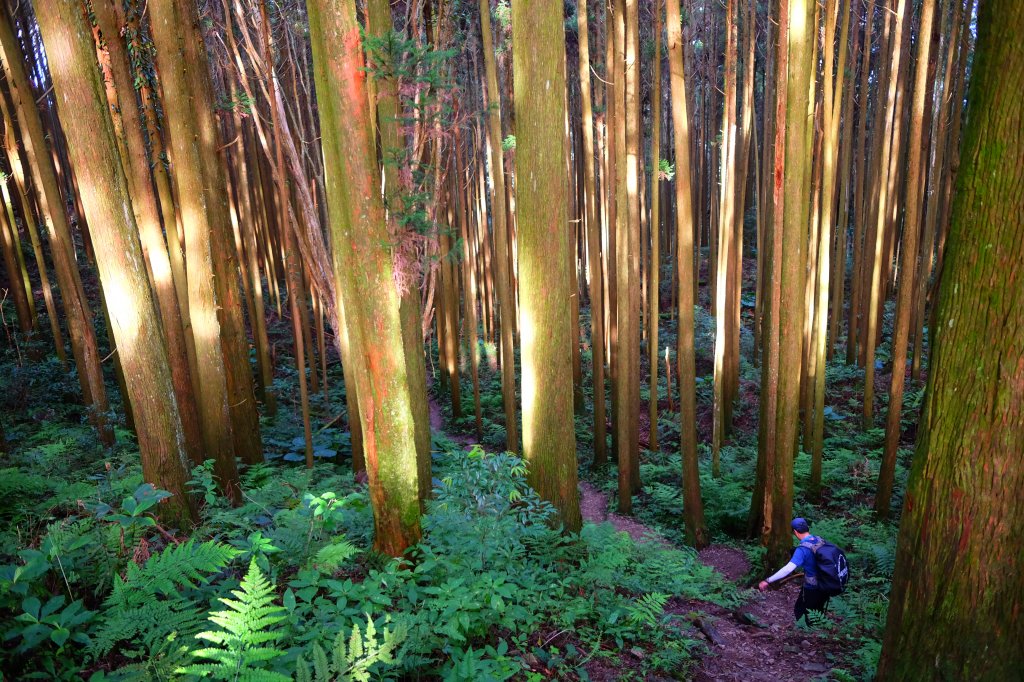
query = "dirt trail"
x=756 y=642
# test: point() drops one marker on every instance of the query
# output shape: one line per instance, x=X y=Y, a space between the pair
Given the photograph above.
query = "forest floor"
x=756 y=642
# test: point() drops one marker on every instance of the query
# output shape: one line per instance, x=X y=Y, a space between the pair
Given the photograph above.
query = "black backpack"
x=833 y=570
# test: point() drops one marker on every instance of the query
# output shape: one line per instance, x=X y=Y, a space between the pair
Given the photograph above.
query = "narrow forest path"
x=756 y=642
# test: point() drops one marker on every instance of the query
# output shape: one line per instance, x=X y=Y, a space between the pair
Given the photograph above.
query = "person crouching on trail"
x=813 y=597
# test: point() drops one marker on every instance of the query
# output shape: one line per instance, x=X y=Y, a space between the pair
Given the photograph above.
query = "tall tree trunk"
x=832 y=110
x=502 y=234
x=593 y=227
x=380 y=25
x=135 y=321
x=52 y=209
x=545 y=257
x=202 y=195
x=886 y=186
x=128 y=126
x=693 y=506
x=654 y=309
x=799 y=71
x=955 y=604
x=364 y=275
x=908 y=266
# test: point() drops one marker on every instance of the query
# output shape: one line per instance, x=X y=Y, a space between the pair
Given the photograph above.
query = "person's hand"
x=763 y=585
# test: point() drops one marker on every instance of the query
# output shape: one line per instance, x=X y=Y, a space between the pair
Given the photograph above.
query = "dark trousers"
x=811 y=599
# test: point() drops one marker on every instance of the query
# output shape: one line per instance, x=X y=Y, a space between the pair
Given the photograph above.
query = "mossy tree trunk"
x=364 y=275
x=546 y=276
x=134 y=319
x=955 y=606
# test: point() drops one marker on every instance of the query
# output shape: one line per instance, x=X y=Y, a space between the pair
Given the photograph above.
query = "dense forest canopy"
x=511 y=339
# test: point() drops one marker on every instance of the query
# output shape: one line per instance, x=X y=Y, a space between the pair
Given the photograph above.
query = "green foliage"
x=247 y=636
x=355 y=659
x=648 y=609
x=666 y=170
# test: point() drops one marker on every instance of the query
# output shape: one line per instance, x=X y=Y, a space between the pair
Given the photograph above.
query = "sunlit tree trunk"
x=789 y=255
x=831 y=108
x=469 y=281
x=726 y=235
x=18 y=171
x=379 y=24
x=693 y=506
x=546 y=276
x=860 y=212
x=955 y=604
x=119 y=259
x=886 y=187
x=363 y=269
x=128 y=126
x=202 y=196
x=16 y=289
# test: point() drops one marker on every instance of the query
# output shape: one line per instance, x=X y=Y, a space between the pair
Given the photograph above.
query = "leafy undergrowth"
x=287 y=585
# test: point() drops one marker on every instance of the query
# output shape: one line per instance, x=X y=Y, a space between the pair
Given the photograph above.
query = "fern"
x=331 y=556
x=146 y=612
x=647 y=610
x=353 y=662
x=247 y=634
x=183 y=565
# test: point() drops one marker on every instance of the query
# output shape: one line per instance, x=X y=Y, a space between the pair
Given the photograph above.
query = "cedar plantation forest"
x=512 y=340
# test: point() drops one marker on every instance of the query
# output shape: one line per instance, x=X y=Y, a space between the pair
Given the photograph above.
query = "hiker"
x=825 y=572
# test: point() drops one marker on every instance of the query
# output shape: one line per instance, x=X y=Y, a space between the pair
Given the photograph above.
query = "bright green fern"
x=352 y=663
x=247 y=636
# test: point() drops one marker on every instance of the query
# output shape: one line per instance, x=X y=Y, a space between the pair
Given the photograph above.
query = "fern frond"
x=245 y=627
x=178 y=566
x=353 y=662
x=647 y=610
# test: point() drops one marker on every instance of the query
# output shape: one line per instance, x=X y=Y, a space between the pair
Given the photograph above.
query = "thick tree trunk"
x=798 y=73
x=202 y=201
x=545 y=257
x=364 y=274
x=955 y=605
x=134 y=319
x=693 y=506
x=129 y=127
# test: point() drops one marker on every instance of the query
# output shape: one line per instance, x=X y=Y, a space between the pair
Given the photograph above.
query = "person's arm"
x=782 y=572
